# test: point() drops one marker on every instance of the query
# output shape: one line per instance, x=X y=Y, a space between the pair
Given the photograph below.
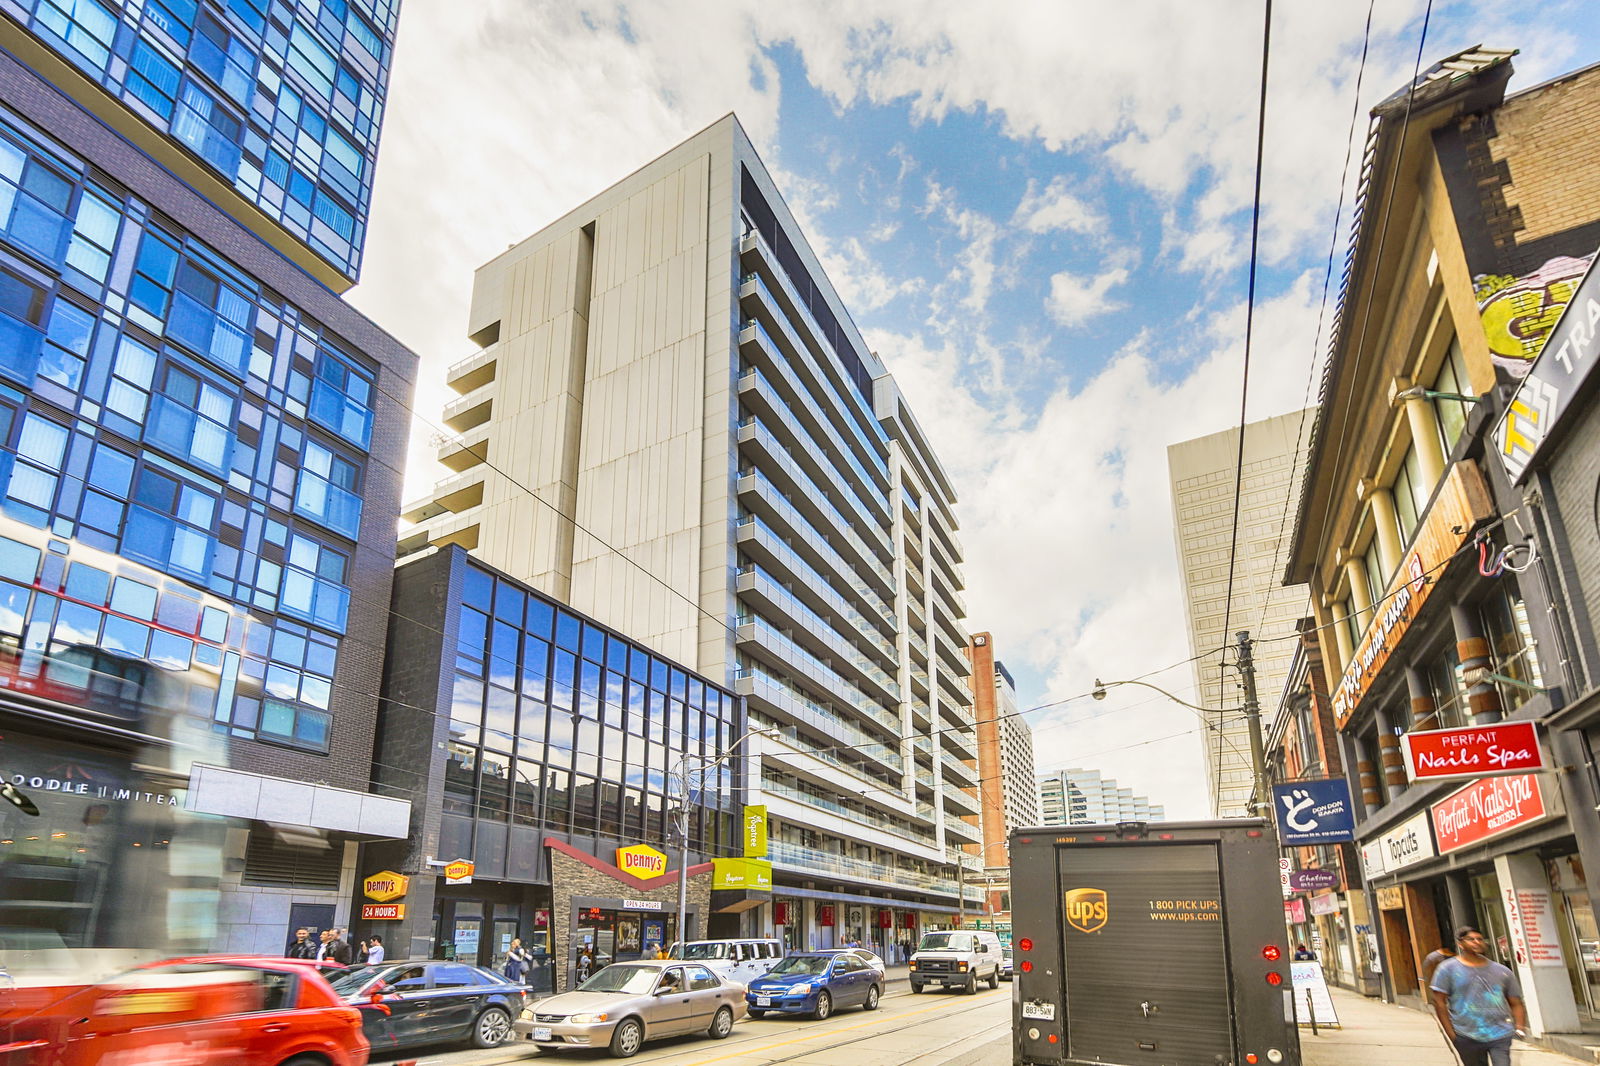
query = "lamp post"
x=697 y=764
x=1251 y=710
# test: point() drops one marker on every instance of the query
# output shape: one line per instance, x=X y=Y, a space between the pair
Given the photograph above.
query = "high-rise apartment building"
x=1086 y=797
x=1008 y=789
x=1202 y=474
x=674 y=426
x=199 y=464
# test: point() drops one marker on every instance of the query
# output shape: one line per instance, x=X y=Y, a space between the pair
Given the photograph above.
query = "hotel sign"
x=1486 y=809
x=1462 y=501
x=1497 y=750
x=1562 y=368
x=642 y=861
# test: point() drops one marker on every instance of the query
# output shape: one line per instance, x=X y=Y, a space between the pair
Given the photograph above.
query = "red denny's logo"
x=1086 y=909
x=641 y=860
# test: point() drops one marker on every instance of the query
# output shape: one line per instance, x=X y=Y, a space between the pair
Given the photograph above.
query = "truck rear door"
x=1146 y=961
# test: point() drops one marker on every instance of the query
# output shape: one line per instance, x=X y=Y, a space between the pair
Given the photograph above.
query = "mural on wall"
x=1519 y=312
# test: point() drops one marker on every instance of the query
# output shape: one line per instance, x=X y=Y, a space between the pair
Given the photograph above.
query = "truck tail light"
x=1272 y=953
x=1026 y=944
x=1027 y=967
x=1274 y=978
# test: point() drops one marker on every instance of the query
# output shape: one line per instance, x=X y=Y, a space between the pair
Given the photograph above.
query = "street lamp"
x=1252 y=713
x=701 y=763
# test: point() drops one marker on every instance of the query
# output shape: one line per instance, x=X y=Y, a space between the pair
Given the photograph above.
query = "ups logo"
x=1086 y=909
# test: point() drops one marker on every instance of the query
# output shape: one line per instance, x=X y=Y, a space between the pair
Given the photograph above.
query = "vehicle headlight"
x=961 y=965
x=912 y=964
x=801 y=989
x=527 y=1014
x=588 y=1019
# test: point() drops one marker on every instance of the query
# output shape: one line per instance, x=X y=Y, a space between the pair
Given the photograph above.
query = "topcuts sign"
x=1407 y=843
x=1488 y=808
x=1474 y=751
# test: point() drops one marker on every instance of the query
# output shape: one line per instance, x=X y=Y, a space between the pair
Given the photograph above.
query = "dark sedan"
x=814 y=983
x=421 y=1001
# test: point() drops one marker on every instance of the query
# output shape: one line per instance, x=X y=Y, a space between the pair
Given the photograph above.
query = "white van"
x=960 y=957
x=736 y=960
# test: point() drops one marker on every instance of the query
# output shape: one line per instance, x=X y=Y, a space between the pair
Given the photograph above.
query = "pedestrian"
x=361 y=952
x=324 y=939
x=1478 y=1002
x=1431 y=962
x=375 y=955
x=333 y=948
x=1304 y=954
x=517 y=959
x=301 y=946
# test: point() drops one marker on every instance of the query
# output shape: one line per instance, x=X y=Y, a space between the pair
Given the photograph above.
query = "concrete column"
x=1483 y=699
x=1387 y=524
x=1341 y=636
x=1355 y=572
x=1394 y=764
x=1424 y=423
x=1539 y=960
x=1423 y=706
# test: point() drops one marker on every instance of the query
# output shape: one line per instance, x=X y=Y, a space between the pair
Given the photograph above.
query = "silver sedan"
x=627 y=1003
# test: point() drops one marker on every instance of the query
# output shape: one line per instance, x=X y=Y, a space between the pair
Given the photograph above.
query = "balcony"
x=450 y=496
x=858 y=816
x=964 y=775
x=961 y=801
x=960 y=827
x=763 y=497
x=472 y=410
x=474 y=371
x=763 y=544
x=813 y=632
x=962 y=740
x=804 y=758
x=952 y=599
x=762 y=448
x=765 y=642
x=816 y=861
x=466 y=451
x=948 y=568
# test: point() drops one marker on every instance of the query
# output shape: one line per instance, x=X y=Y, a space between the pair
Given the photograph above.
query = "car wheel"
x=627 y=1038
x=872 y=998
x=491 y=1028
x=994 y=977
x=722 y=1024
x=972 y=984
x=916 y=989
x=758 y=1014
x=824 y=1006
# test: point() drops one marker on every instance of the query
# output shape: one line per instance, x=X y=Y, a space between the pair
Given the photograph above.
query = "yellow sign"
x=755 y=832
x=385 y=886
x=754 y=875
x=1086 y=909
x=458 y=872
x=642 y=861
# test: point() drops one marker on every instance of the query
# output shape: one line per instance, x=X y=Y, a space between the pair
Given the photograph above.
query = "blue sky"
x=1038 y=214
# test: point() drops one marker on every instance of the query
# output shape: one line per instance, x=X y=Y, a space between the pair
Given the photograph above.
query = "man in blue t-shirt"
x=1479 y=1002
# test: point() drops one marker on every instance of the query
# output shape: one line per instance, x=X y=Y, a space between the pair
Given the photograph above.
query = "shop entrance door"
x=1492 y=918
x=1583 y=934
x=468 y=937
x=505 y=930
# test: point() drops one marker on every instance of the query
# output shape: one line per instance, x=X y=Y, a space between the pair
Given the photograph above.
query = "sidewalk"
x=1375 y=1033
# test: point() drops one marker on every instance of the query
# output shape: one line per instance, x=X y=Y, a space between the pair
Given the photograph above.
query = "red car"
x=205 y=1010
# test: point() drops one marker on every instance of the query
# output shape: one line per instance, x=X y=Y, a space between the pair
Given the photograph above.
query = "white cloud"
x=1075 y=299
x=1055 y=209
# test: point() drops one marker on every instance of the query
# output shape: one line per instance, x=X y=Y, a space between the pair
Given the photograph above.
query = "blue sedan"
x=815 y=983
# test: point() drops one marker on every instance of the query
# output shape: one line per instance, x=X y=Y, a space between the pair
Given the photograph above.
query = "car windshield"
x=632 y=980
x=946 y=942
x=352 y=981
x=699 y=951
x=802 y=964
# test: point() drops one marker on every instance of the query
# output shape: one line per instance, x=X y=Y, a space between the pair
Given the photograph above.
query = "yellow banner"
x=750 y=875
x=755 y=832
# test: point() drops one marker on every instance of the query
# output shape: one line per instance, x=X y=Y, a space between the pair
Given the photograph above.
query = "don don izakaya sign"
x=1314 y=812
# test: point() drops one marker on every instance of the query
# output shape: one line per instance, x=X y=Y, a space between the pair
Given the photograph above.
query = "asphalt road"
x=932 y=1029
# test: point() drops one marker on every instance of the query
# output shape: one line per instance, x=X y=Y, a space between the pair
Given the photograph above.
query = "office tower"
x=1085 y=797
x=1202 y=474
x=200 y=461
x=1008 y=789
x=674 y=426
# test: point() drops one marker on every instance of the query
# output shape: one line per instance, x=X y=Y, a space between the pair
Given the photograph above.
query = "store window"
x=1516 y=656
x=1452 y=413
x=1411 y=494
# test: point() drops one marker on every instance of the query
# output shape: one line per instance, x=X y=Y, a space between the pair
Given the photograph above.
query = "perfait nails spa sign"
x=1497 y=750
x=1486 y=809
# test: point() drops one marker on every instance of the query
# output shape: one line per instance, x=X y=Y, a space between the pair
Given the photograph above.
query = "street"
x=934 y=1029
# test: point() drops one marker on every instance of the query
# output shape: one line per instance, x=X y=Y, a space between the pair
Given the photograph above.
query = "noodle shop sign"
x=1462 y=501
x=1486 y=809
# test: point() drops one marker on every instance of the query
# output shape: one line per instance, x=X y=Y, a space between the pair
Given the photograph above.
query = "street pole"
x=683 y=849
x=1252 y=713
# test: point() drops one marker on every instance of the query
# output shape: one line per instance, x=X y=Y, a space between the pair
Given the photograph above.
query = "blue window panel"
x=337 y=218
x=224 y=59
x=94 y=235
x=167 y=545
x=209 y=129
x=153 y=79
x=340 y=399
x=188 y=435
x=175 y=17
x=111 y=471
x=34 y=200
x=88 y=28
x=63 y=358
x=253 y=13
x=154 y=272
x=311 y=60
x=20 y=341
x=321 y=501
x=212 y=318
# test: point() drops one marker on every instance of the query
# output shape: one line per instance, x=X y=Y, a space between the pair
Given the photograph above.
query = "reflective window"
x=85 y=25
x=326 y=491
x=341 y=399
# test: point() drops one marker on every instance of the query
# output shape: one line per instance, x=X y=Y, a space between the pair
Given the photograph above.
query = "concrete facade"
x=1087 y=797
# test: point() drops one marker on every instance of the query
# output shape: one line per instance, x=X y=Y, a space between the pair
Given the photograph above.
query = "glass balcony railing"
x=962 y=771
x=822 y=717
x=802 y=571
x=865 y=817
x=859 y=521
x=796 y=856
x=838 y=644
x=814 y=669
x=783 y=505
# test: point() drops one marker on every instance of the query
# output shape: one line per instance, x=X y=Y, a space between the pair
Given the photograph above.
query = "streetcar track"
x=756 y=1045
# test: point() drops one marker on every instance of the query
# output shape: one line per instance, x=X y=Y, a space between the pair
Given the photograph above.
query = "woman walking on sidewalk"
x=1479 y=1002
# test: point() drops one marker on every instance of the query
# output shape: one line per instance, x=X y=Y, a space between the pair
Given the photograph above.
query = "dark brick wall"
x=359 y=673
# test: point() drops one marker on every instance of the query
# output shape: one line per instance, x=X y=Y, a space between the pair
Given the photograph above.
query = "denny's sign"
x=642 y=861
x=1462 y=502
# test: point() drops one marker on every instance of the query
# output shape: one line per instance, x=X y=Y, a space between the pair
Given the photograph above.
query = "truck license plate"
x=541 y=1032
x=1038 y=1009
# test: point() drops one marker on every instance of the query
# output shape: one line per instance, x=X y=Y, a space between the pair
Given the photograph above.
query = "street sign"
x=1500 y=749
x=1313 y=812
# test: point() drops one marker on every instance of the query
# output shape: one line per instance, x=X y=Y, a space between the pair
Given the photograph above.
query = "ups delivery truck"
x=1150 y=944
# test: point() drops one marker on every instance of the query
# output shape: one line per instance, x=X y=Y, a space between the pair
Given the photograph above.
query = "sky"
x=1038 y=214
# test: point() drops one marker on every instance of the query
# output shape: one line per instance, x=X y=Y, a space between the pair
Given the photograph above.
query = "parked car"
x=871 y=960
x=1005 y=963
x=957 y=957
x=741 y=960
x=815 y=983
x=271 y=1012
x=628 y=1003
x=424 y=1001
